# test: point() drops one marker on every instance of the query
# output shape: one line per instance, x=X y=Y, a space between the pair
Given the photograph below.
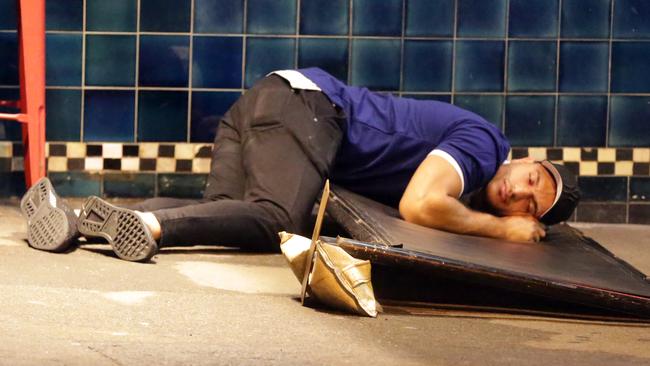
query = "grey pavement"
x=218 y=306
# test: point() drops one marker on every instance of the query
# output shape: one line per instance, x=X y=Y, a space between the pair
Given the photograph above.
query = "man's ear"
x=527 y=159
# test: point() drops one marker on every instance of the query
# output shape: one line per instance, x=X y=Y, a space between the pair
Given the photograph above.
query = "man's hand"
x=522 y=228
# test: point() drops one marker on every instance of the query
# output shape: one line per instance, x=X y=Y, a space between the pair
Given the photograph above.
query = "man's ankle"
x=152 y=223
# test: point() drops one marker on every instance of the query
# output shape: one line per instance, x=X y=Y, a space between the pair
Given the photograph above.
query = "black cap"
x=566 y=197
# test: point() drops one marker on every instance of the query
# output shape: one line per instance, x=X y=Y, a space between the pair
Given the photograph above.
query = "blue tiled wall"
x=550 y=73
x=540 y=69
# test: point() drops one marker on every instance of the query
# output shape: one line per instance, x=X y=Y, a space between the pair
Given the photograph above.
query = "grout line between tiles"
x=506 y=51
x=400 y=87
x=296 y=45
x=188 y=121
x=244 y=43
x=136 y=82
x=627 y=200
x=453 y=54
x=270 y=35
x=557 y=72
x=609 y=73
x=350 y=40
x=82 y=110
x=172 y=88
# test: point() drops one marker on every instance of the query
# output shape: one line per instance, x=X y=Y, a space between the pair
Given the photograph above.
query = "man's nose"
x=521 y=191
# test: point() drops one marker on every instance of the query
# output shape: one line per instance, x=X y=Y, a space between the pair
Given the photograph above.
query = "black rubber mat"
x=566 y=266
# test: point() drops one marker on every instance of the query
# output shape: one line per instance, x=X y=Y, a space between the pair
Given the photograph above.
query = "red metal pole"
x=31 y=34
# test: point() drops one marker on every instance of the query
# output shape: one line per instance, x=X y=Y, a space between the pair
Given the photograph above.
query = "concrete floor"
x=218 y=306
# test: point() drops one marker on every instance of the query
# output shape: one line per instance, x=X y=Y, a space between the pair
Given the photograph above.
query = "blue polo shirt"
x=386 y=138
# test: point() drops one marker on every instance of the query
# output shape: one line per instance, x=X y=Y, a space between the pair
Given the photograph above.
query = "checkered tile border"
x=593 y=161
x=195 y=158
x=143 y=157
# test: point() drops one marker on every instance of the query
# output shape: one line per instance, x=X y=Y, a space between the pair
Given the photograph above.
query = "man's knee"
x=277 y=218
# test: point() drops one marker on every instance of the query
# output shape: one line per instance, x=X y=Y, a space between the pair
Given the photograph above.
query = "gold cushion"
x=295 y=249
x=337 y=279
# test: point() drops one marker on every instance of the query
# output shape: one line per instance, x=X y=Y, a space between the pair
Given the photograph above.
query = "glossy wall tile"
x=64 y=15
x=489 y=107
x=586 y=114
x=529 y=120
x=479 y=66
x=63 y=115
x=629 y=67
x=330 y=54
x=165 y=15
x=631 y=19
x=111 y=16
x=217 y=62
x=430 y=18
x=640 y=189
x=533 y=18
x=271 y=16
x=479 y=18
x=63 y=67
x=583 y=67
x=8 y=14
x=76 y=184
x=12 y=184
x=218 y=16
x=9 y=130
x=181 y=185
x=108 y=115
x=110 y=60
x=367 y=71
x=585 y=19
x=614 y=213
x=264 y=55
x=603 y=188
x=164 y=61
x=324 y=17
x=377 y=18
x=207 y=110
x=629 y=116
x=129 y=185
x=9 y=59
x=531 y=66
x=158 y=106
x=427 y=65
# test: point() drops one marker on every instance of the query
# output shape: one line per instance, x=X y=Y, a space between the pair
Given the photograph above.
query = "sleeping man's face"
x=522 y=188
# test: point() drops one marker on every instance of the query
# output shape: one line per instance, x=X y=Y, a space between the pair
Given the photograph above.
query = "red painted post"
x=31 y=33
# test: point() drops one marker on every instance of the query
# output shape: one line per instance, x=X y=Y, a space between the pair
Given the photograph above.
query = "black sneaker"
x=51 y=223
x=124 y=229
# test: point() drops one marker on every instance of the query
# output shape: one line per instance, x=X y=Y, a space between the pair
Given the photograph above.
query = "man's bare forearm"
x=447 y=213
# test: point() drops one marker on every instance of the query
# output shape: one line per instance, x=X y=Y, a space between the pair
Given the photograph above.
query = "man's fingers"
x=535 y=235
x=539 y=232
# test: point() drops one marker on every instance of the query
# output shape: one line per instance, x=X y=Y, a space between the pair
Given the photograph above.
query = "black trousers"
x=273 y=150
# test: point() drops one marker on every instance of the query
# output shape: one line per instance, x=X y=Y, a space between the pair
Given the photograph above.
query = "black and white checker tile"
x=195 y=158
x=144 y=157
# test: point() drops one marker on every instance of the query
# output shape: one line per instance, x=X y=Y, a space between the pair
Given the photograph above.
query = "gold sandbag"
x=342 y=281
x=337 y=279
x=295 y=249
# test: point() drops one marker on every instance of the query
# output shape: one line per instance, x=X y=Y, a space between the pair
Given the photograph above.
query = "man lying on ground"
x=279 y=142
